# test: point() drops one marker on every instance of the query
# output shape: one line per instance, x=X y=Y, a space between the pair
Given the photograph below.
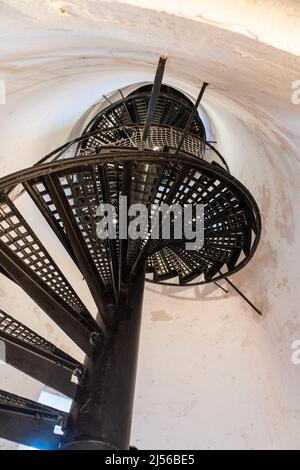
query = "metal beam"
x=242 y=295
x=29 y=423
x=153 y=244
x=52 y=221
x=36 y=357
x=125 y=107
x=218 y=285
x=154 y=96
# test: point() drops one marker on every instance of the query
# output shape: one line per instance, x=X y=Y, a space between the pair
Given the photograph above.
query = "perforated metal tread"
x=35 y=356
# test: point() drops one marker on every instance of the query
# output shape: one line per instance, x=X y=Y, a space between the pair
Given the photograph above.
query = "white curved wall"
x=211 y=373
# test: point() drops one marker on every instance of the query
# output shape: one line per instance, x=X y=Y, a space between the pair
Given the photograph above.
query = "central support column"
x=100 y=416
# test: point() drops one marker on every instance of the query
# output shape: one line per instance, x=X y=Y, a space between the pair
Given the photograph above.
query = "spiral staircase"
x=151 y=147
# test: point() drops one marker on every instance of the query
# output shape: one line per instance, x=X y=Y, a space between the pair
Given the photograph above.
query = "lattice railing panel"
x=84 y=196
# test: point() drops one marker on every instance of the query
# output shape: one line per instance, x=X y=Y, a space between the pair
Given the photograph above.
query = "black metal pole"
x=154 y=95
x=100 y=417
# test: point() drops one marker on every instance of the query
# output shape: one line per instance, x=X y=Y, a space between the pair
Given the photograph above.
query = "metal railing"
x=130 y=136
x=160 y=138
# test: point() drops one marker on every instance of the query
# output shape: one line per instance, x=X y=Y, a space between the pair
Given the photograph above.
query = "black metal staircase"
x=149 y=146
